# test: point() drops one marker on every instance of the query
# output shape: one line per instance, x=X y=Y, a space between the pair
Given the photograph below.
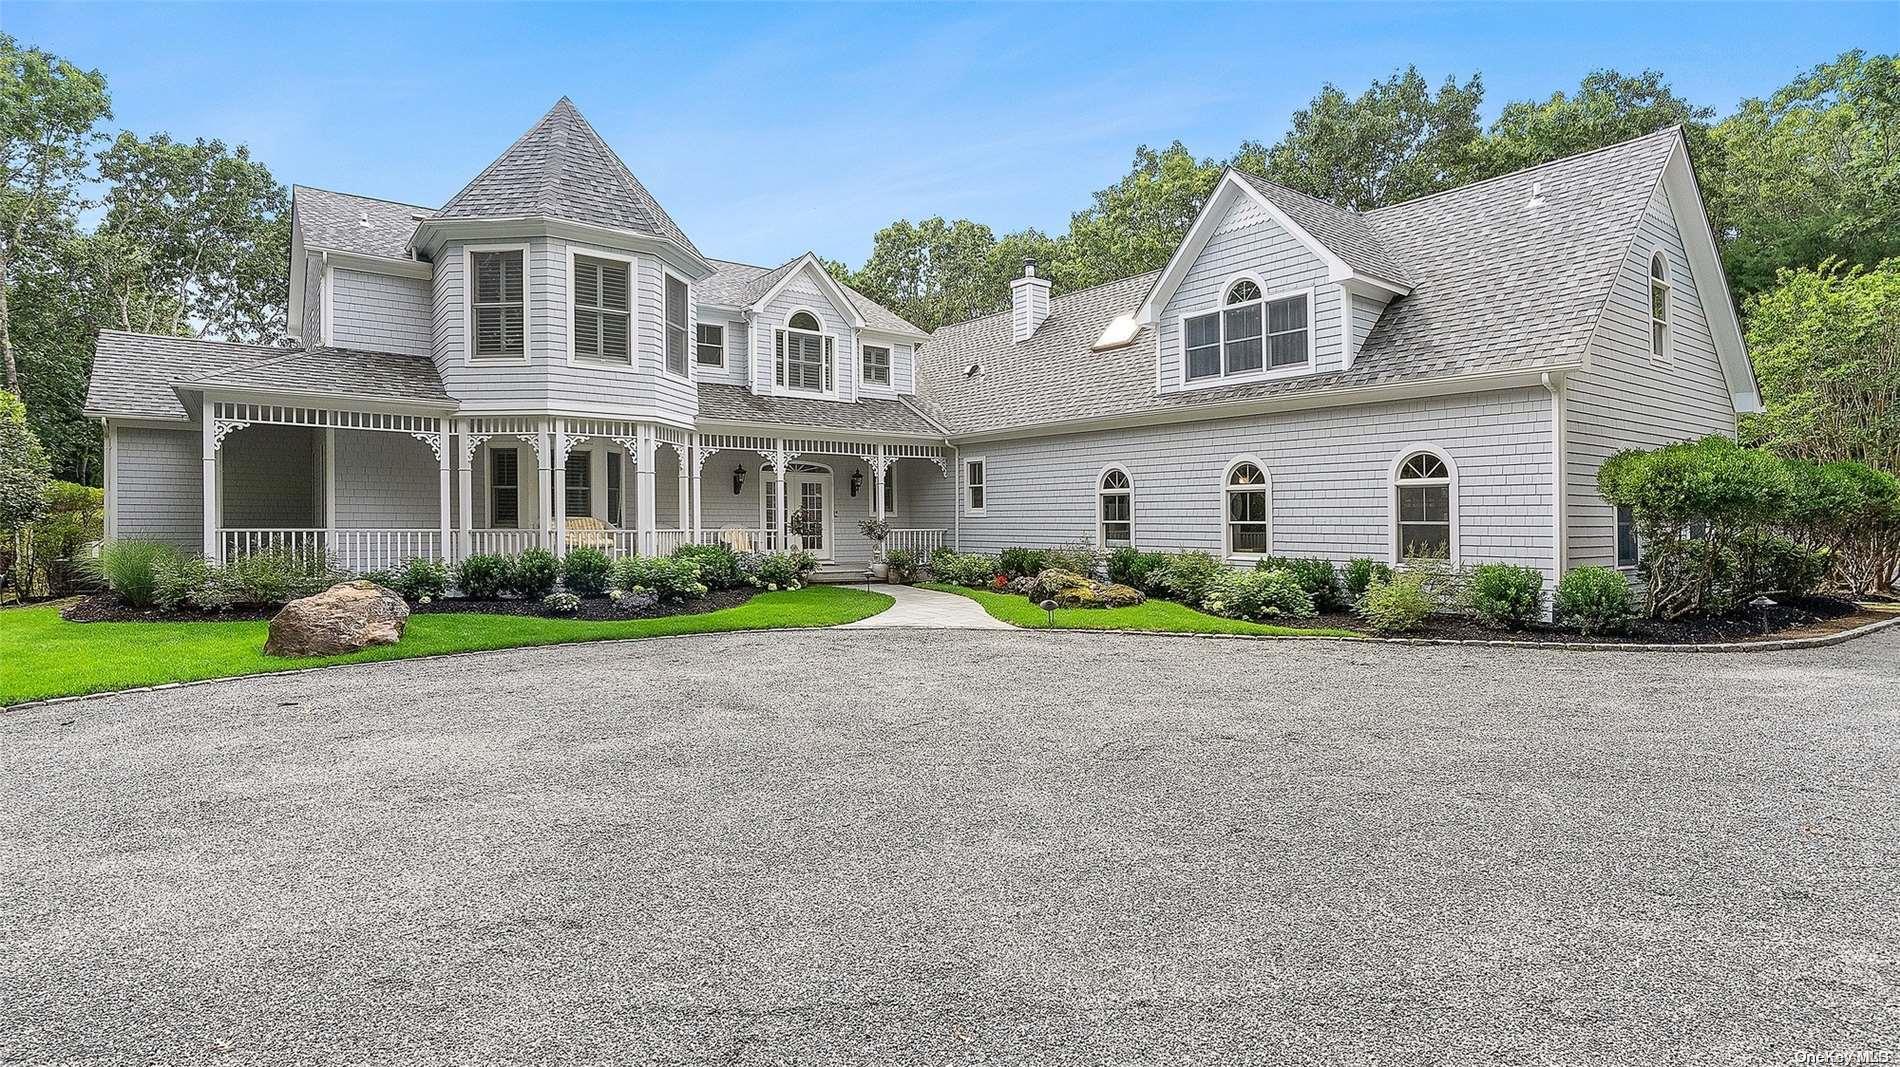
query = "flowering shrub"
x=718 y=564
x=1257 y=595
x=975 y=571
x=777 y=570
x=561 y=603
x=666 y=577
x=902 y=565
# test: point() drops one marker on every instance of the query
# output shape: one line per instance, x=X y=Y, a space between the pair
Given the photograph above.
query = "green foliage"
x=587 y=571
x=1258 y=595
x=1133 y=567
x=1596 y=600
x=902 y=566
x=483 y=576
x=180 y=581
x=718 y=564
x=1399 y=605
x=420 y=578
x=1505 y=595
x=127 y=567
x=25 y=475
x=561 y=603
x=1021 y=562
x=1076 y=558
x=1071 y=590
x=1607 y=108
x=1186 y=576
x=1135 y=224
x=1319 y=577
x=778 y=570
x=666 y=577
x=973 y=570
x=1361 y=574
x=276 y=577
x=533 y=574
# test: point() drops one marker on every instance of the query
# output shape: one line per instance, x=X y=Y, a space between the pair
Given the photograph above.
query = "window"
x=580 y=483
x=877 y=365
x=805 y=357
x=675 y=326
x=1116 y=507
x=1628 y=552
x=973 y=485
x=498 y=307
x=890 y=490
x=1249 y=334
x=616 y=514
x=711 y=348
x=1423 y=489
x=602 y=310
x=1661 y=299
x=1249 y=530
x=504 y=489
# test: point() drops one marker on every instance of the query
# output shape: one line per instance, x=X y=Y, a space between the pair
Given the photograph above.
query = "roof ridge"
x=1052 y=300
x=1672 y=127
x=1317 y=200
x=505 y=153
x=294 y=186
x=196 y=340
x=633 y=179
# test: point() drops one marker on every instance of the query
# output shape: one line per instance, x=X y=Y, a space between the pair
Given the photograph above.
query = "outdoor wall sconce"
x=738 y=480
x=857 y=482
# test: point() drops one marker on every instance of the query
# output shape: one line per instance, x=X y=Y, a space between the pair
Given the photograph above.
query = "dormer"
x=812 y=338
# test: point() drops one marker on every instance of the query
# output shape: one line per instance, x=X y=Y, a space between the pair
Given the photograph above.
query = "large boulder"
x=347 y=617
x=1071 y=590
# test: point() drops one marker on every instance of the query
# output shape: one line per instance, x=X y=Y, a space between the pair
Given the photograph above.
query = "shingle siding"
x=385 y=480
x=272 y=476
x=158 y=486
x=379 y=312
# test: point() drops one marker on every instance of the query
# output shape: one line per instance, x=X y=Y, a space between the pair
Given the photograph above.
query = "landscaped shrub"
x=1398 y=605
x=778 y=570
x=1071 y=590
x=974 y=570
x=180 y=582
x=666 y=577
x=586 y=571
x=419 y=579
x=533 y=574
x=483 y=576
x=561 y=603
x=1361 y=574
x=1257 y=595
x=902 y=566
x=128 y=568
x=937 y=555
x=276 y=577
x=1776 y=564
x=1319 y=577
x=1505 y=595
x=718 y=564
x=1076 y=558
x=1595 y=600
x=1021 y=562
x=1133 y=567
x=1186 y=575
x=51 y=555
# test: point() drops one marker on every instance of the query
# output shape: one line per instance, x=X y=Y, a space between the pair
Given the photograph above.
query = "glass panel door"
x=809 y=516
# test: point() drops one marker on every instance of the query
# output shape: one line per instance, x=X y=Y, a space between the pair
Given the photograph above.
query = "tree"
x=1394 y=142
x=931 y=272
x=1826 y=348
x=24 y=474
x=212 y=230
x=1812 y=172
x=49 y=109
x=1608 y=108
x=1134 y=225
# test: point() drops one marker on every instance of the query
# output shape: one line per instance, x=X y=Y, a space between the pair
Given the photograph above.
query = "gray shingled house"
x=547 y=359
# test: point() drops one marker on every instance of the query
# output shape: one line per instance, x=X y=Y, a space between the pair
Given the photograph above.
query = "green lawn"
x=42 y=655
x=1163 y=616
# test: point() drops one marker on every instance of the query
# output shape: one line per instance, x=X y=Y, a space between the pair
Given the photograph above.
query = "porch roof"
x=735 y=403
x=133 y=373
x=337 y=372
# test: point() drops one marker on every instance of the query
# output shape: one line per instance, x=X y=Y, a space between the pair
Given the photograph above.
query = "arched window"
x=1242 y=292
x=1661 y=309
x=804 y=357
x=1249 y=529
x=1422 y=494
x=1116 y=508
x=1241 y=329
x=804 y=320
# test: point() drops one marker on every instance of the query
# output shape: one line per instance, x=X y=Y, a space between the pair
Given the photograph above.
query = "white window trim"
x=1667 y=356
x=784 y=326
x=890 y=366
x=633 y=310
x=468 y=304
x=488 y=485
x=691 y=320
x=725 y=344
x=1101 y=526
x=1265 y=373
x=1616 y=555
x=964 y=479
x=1226 y=526
x=1392 y=496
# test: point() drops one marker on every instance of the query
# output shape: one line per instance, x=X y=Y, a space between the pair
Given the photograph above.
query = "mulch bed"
x=108 y=607
x=1805 y=617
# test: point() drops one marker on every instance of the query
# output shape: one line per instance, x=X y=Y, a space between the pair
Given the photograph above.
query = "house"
x=548 y=359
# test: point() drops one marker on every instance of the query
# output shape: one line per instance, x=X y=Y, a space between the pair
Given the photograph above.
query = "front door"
x=809 y=498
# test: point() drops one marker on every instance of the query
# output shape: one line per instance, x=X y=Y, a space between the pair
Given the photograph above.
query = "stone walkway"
x=929 y=609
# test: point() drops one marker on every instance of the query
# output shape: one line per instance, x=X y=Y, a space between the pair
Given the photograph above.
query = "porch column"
x=644 y=513
x=560 y=489
x=465 y=484
x=212 y=539
x=697 y=460
x=544 y=519
x=444 y=458
x=878 y=468
x=684 y=511
x=778 y=490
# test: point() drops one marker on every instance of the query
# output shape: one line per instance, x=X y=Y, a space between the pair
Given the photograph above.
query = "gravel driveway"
x=938 y=847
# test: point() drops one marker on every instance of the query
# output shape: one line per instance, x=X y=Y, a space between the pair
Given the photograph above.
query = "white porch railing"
x=922 y=542
x=665 y=541
x=739 y=538
x=237 y=544
x=354 y=550
x=503 y=542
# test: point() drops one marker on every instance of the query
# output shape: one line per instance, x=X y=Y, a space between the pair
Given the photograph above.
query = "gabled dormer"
x=1268 y=284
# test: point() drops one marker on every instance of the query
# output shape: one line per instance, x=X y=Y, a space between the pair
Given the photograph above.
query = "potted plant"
x=877 y=530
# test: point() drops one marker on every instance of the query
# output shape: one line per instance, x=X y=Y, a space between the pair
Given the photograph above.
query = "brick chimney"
x=1028 y=303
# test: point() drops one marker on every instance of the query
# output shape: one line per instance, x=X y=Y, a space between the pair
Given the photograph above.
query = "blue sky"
x=769 y=130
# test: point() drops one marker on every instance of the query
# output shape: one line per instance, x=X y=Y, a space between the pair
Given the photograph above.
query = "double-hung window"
x=805 y=356
x=603 y=310
x=877 y=365
x=1249 y=530
x=1116 y=504
x=499 y=306
x=615 y=495
x=1628 y=550
x=675 y=326
x=580 y=484
x=1423 y=491
x=710 y=349
x=1247 y=335
x=973 y=484
x=504 y=488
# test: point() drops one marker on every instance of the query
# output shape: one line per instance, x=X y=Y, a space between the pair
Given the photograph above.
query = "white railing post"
x=646 y=515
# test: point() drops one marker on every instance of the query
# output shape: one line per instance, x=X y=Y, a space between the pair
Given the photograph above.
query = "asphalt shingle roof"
x=132 y=373
x=345 y=222
x=736 y=403
x=562 y=169
x=338 y=372
x=742 y=284
x=1345 y=233
x=1497 y=285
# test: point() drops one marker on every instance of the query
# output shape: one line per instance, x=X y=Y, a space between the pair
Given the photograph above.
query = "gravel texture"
x=931 y=847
